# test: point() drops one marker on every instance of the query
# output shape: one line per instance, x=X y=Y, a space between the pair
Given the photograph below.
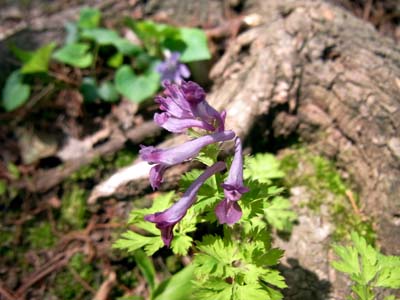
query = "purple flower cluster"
x=184 y=106
x=172 y=69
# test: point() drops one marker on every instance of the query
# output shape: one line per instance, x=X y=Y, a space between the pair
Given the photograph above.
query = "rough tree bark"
x=331 y=78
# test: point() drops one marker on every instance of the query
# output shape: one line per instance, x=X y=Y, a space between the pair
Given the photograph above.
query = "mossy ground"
x=326 y=186
x=33 y=228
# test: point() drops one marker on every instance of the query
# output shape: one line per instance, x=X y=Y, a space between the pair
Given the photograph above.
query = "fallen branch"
x=86 y=152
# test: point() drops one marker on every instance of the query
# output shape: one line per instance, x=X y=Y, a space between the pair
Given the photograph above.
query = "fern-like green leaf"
x=280 y=214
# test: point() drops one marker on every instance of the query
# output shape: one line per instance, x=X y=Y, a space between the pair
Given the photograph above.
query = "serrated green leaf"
x=108 y=92
x=273 y=277
x=131 y=241
x=181 y=243
x=263 y=167
x=178 y=287
x=89 y=18
x=216 y=257
x=273 y=294
x=389 y=274
x=15 y=92
x=76 y=54
x=136 y=88
x=280 y=214
x=146 y=267
x=196 y=45
x=368 y=257
x=215 y=289
x=349 y=260
x=250 y=291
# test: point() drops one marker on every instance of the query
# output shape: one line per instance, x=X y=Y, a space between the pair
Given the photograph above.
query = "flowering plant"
x=235 y=264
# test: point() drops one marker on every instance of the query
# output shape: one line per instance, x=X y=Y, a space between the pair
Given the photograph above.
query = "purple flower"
x=185 y=106
x=228 y=211
x=172 y=69
x=166 y=220
x=164 y=158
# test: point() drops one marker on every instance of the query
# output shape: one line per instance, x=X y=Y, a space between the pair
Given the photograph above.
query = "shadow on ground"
x=302 y=283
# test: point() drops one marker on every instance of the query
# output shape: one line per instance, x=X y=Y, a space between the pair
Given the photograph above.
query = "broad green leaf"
x=72 y=35
x=76 y=54
x=15 y=92
x=116 y=60
x=89 y=18
x=89 y=89
x=108 y=92
x=23 y=55
x=178 y=287
x=136 y=87
x=39 y=60
x=101 y=36
x=146 y=266
x=126 y=47
x=153 y=35
x=196 y=45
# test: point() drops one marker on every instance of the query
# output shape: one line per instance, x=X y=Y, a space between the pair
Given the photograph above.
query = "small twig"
x=82 y=282
x=350 y=196
x=4 y=292
x=57 y=262
x=367 y=10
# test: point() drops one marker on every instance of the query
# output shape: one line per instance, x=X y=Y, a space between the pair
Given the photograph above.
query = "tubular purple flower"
x=228 y=211
x=233 y=185
x=179 y=125
x=166 y=220
x=172 y=69
x=187 y=101
x=164 y=158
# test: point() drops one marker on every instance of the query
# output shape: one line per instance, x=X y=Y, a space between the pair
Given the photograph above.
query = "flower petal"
x=228 y=212
x=181 y=153
x=166 y=220
x=179 y=125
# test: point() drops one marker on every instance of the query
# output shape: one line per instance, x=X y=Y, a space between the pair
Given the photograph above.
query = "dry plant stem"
x=350 y=196
x=106 y=286
x=54 y=264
